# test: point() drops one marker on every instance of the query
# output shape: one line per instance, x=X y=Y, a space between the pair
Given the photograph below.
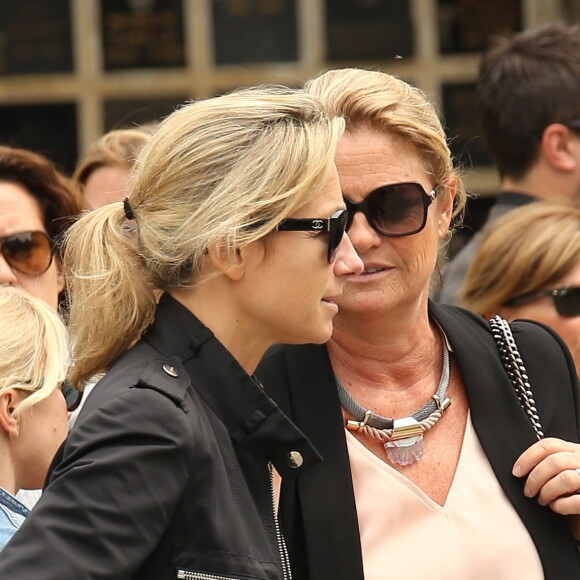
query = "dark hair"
x=59 y=201
x=527 y=82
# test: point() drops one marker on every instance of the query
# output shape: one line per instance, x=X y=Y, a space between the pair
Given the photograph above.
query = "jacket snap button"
x=170 y=370
x=295 y=459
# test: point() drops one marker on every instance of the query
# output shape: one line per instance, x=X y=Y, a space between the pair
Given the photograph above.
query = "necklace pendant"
x=405 y=451
x=406 y=443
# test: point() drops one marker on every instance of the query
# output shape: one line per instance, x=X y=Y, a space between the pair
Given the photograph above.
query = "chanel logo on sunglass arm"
x=335 y=226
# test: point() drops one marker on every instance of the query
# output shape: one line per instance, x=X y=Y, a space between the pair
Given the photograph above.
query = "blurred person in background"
x=37 y=204
x=103 y=173
x=529 y=103
x=102 y=176
x=33 y=413
x=528 y=266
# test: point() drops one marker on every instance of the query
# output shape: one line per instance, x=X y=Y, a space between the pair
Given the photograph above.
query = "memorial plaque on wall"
x=466 y=25
x=368 y=29
x=142 y=34
x=126 y=113
x=35 y=37
x=50 y=129
x=251 y=31
x=463 y=126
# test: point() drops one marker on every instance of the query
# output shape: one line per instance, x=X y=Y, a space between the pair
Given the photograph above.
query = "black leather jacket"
x=165 y=473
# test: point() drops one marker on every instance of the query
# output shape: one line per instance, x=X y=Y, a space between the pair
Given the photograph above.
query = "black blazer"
x=318 y=511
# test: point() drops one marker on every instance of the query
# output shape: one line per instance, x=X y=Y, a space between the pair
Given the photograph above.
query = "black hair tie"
x=128 y=209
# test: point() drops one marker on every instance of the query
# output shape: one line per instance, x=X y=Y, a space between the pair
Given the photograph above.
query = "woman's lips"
x=372 y=270
x=331 y=304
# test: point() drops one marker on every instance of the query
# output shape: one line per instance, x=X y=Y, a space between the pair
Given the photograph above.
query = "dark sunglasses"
x=566 y=299
x=27 y=252
x=573 y=124
x=72 y=397
x=394 y=210
x=335 y=225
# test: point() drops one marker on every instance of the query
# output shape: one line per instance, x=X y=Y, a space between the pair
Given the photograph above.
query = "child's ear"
x=9 y=419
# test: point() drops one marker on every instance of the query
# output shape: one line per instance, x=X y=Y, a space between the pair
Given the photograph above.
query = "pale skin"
x=386 y=351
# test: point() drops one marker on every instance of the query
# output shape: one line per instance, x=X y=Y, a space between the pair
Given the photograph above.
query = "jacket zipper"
x=286 y=571
x=188 y=575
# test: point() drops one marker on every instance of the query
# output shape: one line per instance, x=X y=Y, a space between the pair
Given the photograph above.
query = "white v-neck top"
x=476 y=535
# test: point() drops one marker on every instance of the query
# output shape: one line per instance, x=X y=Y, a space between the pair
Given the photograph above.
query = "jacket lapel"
x=502 y=427
x=325 y=492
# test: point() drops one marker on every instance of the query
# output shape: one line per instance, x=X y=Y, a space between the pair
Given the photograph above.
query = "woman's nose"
x=362 y=235
x=347 y=262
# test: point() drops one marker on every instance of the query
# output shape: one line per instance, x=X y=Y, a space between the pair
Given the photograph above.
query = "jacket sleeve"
x=113 y=489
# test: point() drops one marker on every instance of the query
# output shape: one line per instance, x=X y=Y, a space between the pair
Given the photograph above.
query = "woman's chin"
x=320 y=336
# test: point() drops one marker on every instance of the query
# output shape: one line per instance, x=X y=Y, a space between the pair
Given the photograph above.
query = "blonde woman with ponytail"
x=236 y=216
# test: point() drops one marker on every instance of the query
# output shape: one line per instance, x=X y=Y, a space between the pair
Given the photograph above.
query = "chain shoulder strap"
x=515 y=369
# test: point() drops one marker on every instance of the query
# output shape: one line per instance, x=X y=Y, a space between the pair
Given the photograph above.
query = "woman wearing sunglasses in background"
x=33 y=413
x=529 y=267
x=408 y=403
x=37 y=204
x=235 y=212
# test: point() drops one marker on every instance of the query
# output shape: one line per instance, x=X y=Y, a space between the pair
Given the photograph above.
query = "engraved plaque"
x=463 y=125
x=368 y=29
x=49 y=129
x=35 y=37
x=465 y=25
x=249 y=31
x=142 y=34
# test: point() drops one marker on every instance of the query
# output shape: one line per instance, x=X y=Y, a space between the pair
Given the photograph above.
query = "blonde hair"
x=117 y=147
x=524 y=250
x=34 y=351
x=225 y=171
x=388 y=104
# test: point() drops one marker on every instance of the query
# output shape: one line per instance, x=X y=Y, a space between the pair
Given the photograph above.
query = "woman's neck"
x=385 y=350
x=216 y=309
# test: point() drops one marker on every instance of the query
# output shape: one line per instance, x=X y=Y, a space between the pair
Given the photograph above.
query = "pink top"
x=476 y=535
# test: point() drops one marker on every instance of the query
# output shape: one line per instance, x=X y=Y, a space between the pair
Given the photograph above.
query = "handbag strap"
x=515 y=369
